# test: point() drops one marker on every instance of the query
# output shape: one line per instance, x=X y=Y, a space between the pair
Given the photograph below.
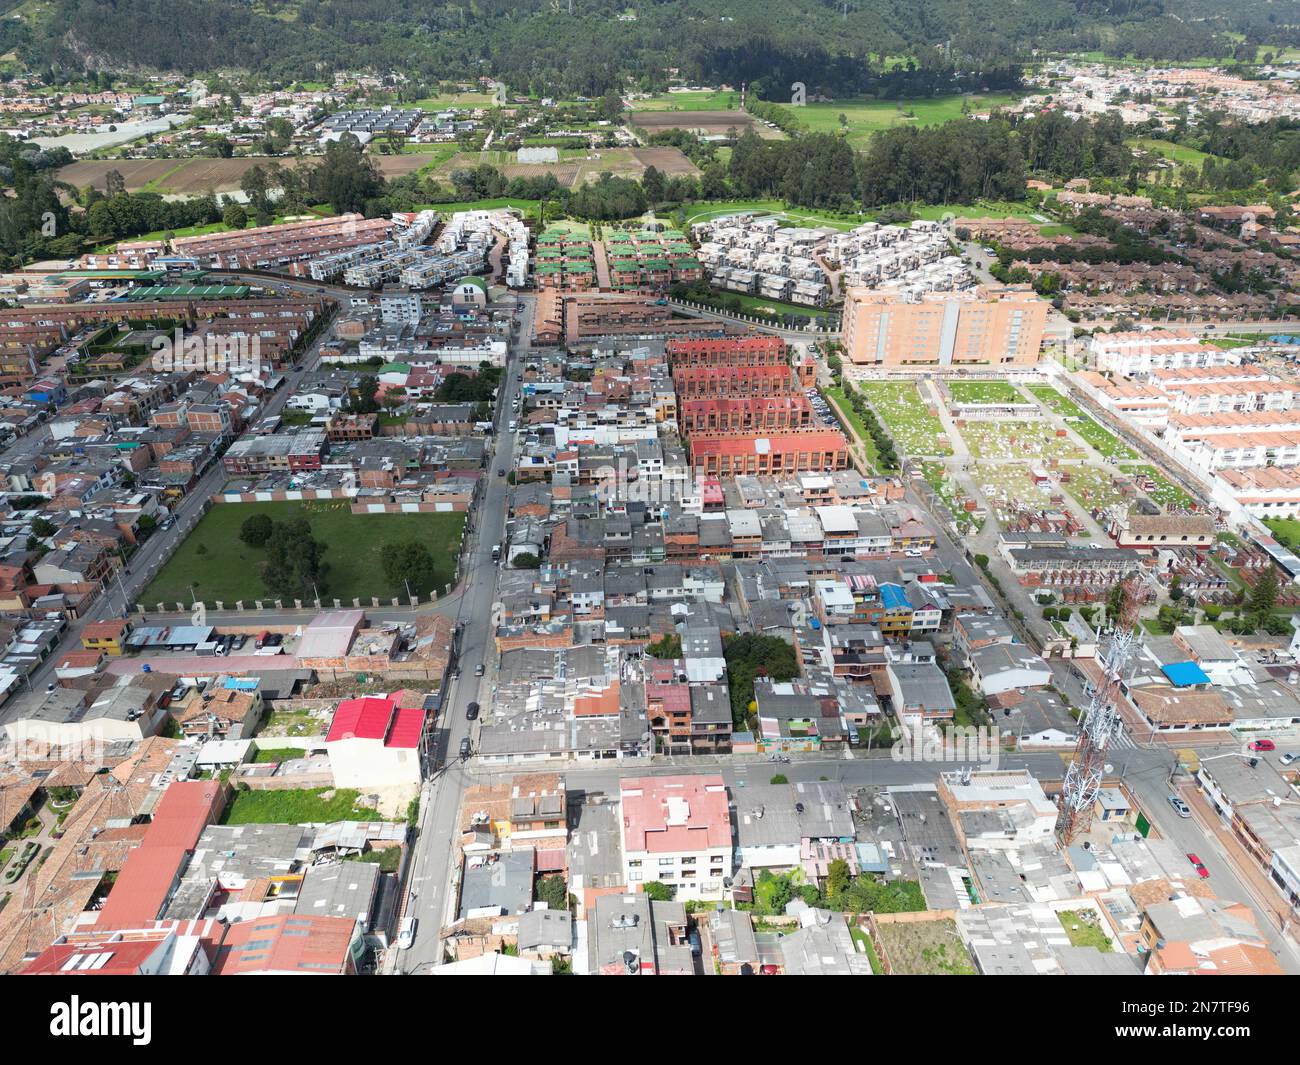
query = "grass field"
x=1103 y=441
x=1165 y=493
x=985 y=392
x=1178 y=153
x=454 y=99
x=849 y=417
x=865 y=117
x=229 y=570
x=296 y=807
x=704 y=100
x=899 y=405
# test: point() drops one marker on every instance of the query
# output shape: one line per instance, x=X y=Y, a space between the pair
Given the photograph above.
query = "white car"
x=1289 y=757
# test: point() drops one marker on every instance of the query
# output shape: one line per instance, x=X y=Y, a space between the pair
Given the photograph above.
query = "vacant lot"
x=296 y=807
x=705 y=123
x=907 y=417
x=704 y=100
x=865 y=117
x=578 y=167
x=219 y=566
x=1084 y=929
x=196 y=176
x=926 y=948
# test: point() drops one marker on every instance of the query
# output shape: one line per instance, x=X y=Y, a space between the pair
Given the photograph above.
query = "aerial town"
x=467 y=528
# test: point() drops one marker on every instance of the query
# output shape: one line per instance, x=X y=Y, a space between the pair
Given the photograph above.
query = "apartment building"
x=999 y=328
x=815 y=450
x=677 y=830
x=727 y=351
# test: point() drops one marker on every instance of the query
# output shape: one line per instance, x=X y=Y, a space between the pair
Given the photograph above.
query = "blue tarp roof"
x=892 y=597
x=1185 y=674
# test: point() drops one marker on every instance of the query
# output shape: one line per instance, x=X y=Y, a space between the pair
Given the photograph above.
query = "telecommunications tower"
x=1101 y=725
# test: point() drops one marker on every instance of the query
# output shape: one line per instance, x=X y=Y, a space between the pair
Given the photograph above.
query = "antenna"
x=1100 y=725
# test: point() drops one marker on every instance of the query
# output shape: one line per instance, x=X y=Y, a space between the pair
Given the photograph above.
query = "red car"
x=1263 y=745
x=1201 y=871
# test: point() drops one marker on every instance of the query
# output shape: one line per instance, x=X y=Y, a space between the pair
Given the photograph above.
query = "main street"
x=473 y=605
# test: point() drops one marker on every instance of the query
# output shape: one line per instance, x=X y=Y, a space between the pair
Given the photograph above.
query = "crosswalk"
x=1122 y=741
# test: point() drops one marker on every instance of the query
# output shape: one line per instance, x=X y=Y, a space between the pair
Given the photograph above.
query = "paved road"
x=473 y=605
x=150 y=556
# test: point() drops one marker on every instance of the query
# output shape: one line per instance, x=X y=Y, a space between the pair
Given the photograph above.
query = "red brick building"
x=726 y=456
x=742 y=415
x=704 y=382
x=727 y=351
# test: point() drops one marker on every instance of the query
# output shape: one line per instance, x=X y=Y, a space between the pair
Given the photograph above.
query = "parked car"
x=1199 y=865
x=501 y=471
x=406 y=937
x=478 y=670
x=471 y=712
x=1263 y=745
x=1182 y=809
x=1289 y=757
x=464 y=749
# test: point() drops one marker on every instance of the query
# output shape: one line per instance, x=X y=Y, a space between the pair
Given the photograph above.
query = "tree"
x=779 y=778
x=43 y=527
x=408 y=564
x=525 y=560
x=256 y=530
x=553 y=891
x=1263 y=597
x=837 y=878
x=657 y=891
x=294 y=567
x=669 y=646
x=234 y=216
x=750 y=656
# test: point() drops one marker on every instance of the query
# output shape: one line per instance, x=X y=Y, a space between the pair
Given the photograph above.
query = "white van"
x=513 y=425
x=406 y=936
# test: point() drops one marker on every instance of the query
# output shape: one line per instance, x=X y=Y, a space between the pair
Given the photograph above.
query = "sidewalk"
x=1247 y=870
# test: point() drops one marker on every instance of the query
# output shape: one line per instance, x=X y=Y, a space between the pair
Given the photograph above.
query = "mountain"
x=538 y=45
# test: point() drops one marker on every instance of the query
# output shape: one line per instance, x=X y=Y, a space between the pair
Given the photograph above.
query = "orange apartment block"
x=994 y=327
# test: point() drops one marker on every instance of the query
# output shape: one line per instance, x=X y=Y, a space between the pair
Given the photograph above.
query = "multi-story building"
x=677 y=830
x=990 y=327
x=776 y=454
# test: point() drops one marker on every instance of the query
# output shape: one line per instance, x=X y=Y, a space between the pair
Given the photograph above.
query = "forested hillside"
x=537 y=45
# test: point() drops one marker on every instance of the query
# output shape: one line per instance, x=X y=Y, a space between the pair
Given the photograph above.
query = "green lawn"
x=296 y=806
x=1102 y=440
x=907 y=417
x=849 y=417
x=1165 y=493
x=704 y=100
x=1286 y=531
x=985 y=392
x=228 y=569
x=1083 y=929
x=442 y=101
x=863 y=117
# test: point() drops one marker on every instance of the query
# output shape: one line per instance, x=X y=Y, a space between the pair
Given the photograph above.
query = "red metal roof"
x=407 y=726
x=373 y=718
x=142 y=886
x=186 y=808
x=362 y=719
